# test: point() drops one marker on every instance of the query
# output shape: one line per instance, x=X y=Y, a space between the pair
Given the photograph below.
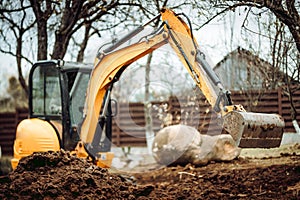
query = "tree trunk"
x=42 y=19
x=19 y=63
x=67 y=27
x=60 y=46
x=83 y=45
x=148 y=106
x=42 y=40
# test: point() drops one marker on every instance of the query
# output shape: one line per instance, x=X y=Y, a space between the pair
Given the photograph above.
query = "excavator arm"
x=104 y=74
x=111 y=62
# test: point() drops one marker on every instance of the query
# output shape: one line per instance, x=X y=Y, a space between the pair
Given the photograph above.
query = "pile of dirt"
x=59 y=175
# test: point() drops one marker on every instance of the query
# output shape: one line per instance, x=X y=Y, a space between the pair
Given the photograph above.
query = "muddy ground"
x=256 y=174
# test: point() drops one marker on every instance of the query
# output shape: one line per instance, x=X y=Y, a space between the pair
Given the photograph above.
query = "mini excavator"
x=70 y=104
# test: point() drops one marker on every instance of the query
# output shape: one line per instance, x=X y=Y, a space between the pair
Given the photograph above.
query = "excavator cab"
x=56 y=100
x=57 y=96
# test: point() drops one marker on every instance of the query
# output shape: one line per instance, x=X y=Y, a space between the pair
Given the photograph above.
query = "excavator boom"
x=110 y=63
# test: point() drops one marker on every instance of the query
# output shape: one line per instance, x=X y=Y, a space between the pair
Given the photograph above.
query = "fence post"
x=16 y=117
x=279 y=94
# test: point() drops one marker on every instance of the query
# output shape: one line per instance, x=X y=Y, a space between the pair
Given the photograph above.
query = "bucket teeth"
x=254 y=130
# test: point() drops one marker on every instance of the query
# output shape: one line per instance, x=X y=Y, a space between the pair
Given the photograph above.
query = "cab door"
x=45 y=95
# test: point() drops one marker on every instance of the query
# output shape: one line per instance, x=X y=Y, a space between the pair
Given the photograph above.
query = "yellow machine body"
x=34 y=135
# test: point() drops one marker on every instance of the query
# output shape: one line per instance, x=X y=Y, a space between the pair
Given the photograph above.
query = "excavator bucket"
x=254 y=130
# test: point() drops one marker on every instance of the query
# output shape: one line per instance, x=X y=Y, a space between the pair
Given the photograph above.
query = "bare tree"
x=284 y=39
x=72 y=15
x=55 y=22
x=286 y=11
x=14 y=27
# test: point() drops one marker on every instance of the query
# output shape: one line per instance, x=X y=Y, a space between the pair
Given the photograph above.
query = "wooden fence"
x=129 y=123
x=8 y=123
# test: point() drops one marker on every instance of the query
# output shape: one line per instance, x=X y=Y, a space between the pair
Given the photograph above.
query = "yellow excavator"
x=70 y=105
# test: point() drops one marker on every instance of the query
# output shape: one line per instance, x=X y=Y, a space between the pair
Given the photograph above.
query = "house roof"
x=255 y=61
x=246 y=55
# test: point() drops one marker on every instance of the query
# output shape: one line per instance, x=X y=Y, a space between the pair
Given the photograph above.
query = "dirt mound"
x=59 y=175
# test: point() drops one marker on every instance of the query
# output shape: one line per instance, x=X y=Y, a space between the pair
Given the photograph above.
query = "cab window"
x=46 y=91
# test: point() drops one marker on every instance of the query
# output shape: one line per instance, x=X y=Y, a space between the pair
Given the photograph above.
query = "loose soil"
x=59 y=175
